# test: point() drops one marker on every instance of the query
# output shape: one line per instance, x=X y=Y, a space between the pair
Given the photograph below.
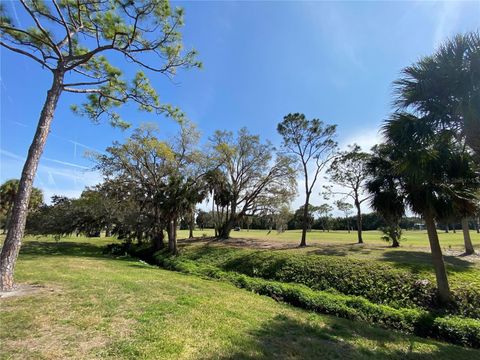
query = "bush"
x=379 y=283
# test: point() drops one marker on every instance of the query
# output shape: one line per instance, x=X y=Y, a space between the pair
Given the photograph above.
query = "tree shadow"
x=407 y=259
x=61 y=248
x=342 y=249
x=287 y=338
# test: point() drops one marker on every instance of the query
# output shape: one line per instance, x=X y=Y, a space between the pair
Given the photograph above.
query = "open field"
x=91 y=306
x=410 y=239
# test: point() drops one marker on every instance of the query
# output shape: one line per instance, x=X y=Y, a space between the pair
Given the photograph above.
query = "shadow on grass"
x=341 y=249
x=407 y=259
x=287 y=338
x=63 y=248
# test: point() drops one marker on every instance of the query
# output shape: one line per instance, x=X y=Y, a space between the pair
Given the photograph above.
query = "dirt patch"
x=23 y=290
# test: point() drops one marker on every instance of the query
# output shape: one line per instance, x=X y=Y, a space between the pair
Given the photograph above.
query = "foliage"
x=162 y=181
x=386 y=197
x=8 y=191
x=349 y=170
x=444 y=89
x=247 y=180
x=75 y=39
x=312 y=143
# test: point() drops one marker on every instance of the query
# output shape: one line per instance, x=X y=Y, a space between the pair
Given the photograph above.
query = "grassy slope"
x=414 y=253
x=96 y=307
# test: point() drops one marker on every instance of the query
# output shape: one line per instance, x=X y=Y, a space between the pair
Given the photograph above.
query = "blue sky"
x=331 y=60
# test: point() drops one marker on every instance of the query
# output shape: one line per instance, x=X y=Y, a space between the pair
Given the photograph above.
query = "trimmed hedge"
x=454 y=329
x=379 y=283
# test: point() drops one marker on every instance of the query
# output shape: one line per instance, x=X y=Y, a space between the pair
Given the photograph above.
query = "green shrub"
x=379 y=283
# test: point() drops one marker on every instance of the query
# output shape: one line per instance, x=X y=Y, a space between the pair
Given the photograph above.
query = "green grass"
x=411 y=239
x=99 y=307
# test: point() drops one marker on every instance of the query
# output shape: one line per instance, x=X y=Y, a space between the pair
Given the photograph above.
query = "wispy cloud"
x=53 y=135
x=68 y=179
x=22 y=158
x=14 y=11
x=66 y=163
x=448 y=15
x=337 y=29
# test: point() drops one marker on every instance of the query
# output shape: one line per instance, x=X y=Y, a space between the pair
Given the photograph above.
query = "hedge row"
x=379 y=283
x=454 y=329
x=457 y=330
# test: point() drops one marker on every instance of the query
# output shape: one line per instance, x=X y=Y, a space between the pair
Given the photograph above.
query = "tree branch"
x=53 y=45
x=41 y=62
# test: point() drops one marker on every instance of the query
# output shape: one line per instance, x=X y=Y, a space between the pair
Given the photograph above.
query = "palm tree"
x=384 y=187
x=434 y=177
x=445 y=88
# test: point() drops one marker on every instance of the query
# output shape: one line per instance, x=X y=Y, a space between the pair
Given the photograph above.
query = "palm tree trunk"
x=16 y=228
x=437 y=258
x=466 y=237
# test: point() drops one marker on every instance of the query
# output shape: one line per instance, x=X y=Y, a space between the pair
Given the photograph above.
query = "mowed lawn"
x=92 y=306
x=410 y=239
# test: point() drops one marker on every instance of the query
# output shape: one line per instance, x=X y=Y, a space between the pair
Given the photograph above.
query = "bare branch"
x=20 y=51
x=88 y=83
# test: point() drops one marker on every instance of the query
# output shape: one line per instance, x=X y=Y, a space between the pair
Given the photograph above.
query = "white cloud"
x=365 y=138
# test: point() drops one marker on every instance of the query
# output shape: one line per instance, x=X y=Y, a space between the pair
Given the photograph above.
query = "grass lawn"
x=98 y=307
x=411 y=239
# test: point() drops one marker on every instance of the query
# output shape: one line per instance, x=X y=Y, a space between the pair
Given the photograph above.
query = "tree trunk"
x=225 y=229
x=172 y=236
x=191 y=225
x=446 y=228
x=158 y=243
x=466 y=237
x=303 y=241
x=437 y=258
x=478 y=225
x=108 y=231
x=16 y=228
x=359 y=222
x=396 y=233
